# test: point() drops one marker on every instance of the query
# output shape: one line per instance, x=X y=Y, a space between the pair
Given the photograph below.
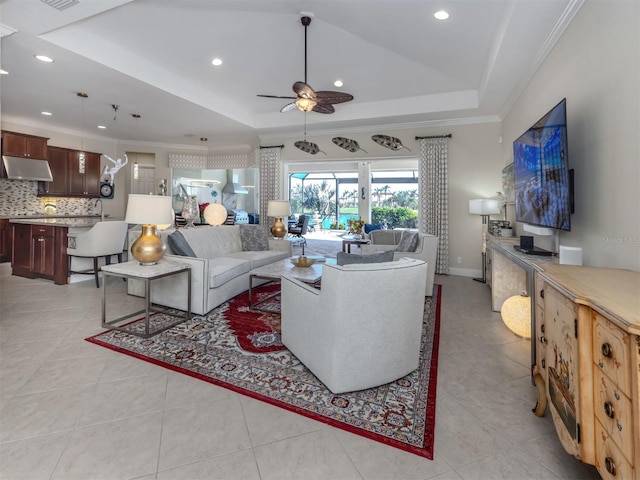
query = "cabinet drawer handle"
x=543 y=340
x=41 y=239
x=610 y=466
x=607 y=351
x=542 y=328
x=542 y=293
x=609 y=410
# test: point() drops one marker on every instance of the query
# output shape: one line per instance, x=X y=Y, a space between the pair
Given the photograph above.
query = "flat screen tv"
x=541 y=172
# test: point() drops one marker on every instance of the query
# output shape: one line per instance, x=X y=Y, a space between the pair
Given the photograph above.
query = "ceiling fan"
x=306 y=98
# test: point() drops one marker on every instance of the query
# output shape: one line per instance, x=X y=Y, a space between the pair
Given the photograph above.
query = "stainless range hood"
x=232 y=185
x=19 y=168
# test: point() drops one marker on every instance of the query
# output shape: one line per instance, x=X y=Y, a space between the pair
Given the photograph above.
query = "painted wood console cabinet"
x=587 y=367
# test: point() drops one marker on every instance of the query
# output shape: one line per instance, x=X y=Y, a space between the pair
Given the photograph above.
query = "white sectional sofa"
x=426 y=250
x=220 y=267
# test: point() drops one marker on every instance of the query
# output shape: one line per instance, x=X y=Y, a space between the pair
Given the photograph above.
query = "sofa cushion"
x=224 y=269
x=408 y=242
x=213 y=242
x=385 y=237
x=260 y=258
x=254 y=237
x=348 y=258
x=179 y=245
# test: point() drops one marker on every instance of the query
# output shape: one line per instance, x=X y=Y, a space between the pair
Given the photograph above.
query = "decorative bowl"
x=303 y=261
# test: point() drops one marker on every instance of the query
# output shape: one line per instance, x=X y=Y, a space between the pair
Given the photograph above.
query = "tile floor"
x=73 y=410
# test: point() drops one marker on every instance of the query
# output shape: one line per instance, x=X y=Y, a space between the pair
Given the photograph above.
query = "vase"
x=190 y=210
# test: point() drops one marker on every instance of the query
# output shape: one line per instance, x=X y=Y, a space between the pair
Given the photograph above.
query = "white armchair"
x=363 y=328
x=104 y=239
x=426 y=251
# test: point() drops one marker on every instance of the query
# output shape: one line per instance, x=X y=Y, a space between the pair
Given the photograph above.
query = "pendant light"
x=82 y=155
x=136 y=170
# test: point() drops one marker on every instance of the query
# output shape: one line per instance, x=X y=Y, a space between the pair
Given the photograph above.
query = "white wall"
x=475 y=168
x=596 y=66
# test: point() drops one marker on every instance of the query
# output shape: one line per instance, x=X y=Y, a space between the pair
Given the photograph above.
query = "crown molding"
x=271 y=137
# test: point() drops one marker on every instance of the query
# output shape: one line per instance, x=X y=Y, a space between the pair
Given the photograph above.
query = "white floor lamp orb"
x=516 y=315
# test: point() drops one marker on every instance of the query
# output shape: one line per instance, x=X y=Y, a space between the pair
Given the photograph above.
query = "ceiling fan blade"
x=288 y=107
x=325 y=97
x=303 y=90
x=324 y=108
x=275 y=96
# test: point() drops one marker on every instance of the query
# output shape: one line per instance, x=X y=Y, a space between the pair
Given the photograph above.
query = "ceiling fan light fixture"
x=305 y=104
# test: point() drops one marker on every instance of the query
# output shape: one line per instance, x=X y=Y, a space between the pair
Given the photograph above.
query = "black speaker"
x=106 y=190
x=526 y=243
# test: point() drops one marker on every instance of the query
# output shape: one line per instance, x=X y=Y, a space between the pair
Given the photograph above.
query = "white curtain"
x=269 y=161
x=434 y=195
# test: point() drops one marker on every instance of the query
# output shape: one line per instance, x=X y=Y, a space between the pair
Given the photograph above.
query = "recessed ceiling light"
x=3 y=72
x=441 y=15
x=102 y=127
x=338 y=83
x=46 y=113
x=44 y=58
x=216 y=62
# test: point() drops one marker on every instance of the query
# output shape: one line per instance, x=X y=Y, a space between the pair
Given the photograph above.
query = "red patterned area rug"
x=240 y=349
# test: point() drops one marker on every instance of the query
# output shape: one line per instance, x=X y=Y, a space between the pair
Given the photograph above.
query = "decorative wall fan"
x=306 y=98
x=308 y=147
x=347 y=144
x=392 y=143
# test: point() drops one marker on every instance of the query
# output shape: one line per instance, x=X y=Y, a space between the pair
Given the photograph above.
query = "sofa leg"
x=95 y=271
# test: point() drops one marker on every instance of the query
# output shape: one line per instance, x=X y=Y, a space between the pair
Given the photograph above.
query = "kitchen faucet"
x=101 y=211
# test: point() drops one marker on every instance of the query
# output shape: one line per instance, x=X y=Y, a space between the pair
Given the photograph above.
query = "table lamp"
x=484 y=207
x=148 y=211
x=215 y=214
x=278 y=209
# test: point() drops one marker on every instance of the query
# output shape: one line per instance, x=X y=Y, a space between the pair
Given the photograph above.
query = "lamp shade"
x=278 y=208
x=148 y=209
x=484 y=206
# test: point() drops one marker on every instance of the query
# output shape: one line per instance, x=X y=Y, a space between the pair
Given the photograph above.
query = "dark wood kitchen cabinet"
x=40 y=251
x=5 y=240
x=21 y=251
x=70 y=177
x=22 y=145
x=84 y=180
x=59 y=165
x=43 y=247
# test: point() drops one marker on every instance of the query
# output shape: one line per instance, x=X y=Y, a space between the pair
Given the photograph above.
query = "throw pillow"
x=370 y=227
x=254 y=238
x=347 y=258
x=179 y=245
x=408 y=242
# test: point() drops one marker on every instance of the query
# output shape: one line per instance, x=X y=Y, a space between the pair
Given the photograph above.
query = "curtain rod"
x=448 y=135
x=273 y=146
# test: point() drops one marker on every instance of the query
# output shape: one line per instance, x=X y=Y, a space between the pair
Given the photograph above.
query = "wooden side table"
x=346 y=243
x=145 y=273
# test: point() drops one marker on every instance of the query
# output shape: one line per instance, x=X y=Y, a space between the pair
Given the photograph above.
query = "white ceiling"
x=153 y=58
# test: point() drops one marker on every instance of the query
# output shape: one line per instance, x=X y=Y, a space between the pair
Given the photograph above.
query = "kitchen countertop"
x=44 y=215
x=68 y=221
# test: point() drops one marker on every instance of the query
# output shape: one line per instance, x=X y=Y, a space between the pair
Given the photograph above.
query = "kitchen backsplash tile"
x=20 y=197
